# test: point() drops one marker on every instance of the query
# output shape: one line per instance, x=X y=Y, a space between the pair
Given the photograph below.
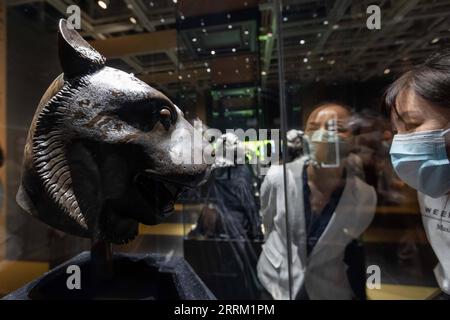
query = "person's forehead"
x=330 y=112
x=411 y=106
x=407 y=102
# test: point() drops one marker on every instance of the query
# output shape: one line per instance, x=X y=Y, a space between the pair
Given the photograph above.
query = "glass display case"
x=288 y=191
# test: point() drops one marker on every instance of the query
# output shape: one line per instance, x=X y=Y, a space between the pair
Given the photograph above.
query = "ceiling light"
x=208 y=70
x=230 y=26
x=305 y=60
x=133 y=20
x=180 y=77
x=174 y=1
x=335 y=27
x=213 y=52
x=263 y=73
x=435 y=40
x=233 y=50
x=151 y=4
x=103 y=4
x=199 y=49
x=162 y=20
x=237 y=70
x=321 y=58
x=246 y=32
x=302 y=42
x=387 y=71
x=194 y=39
x=285 y=19
x=325 y=22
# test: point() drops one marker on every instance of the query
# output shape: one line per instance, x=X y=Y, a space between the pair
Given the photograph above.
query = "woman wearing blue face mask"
x=419 y=105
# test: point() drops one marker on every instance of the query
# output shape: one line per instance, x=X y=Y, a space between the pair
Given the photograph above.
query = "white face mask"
x=326 y=148
x=420 y=159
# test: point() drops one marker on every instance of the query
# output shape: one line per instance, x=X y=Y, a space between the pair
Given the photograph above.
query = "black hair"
x=430 y=81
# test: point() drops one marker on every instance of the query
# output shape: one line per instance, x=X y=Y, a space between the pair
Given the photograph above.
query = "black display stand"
x=233 y=277
x=136 y=276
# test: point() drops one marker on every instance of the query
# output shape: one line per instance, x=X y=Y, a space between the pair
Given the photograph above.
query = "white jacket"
x=324 y=272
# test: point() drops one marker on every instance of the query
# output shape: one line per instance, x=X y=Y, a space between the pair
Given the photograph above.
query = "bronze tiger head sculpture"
x=100 y=157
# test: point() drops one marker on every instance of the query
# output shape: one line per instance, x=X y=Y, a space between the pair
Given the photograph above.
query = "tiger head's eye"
x=165 y=118
x=165 y=113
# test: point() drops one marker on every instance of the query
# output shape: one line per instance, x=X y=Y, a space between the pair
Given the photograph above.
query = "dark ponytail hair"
x=430 y=81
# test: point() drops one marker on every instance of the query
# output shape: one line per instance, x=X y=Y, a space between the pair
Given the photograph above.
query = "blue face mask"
x=420 y=159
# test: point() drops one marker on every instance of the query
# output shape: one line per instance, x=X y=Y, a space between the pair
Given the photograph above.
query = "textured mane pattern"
x=50 y=150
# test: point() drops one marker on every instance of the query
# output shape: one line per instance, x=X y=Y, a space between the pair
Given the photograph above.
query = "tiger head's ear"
x=76 y=56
